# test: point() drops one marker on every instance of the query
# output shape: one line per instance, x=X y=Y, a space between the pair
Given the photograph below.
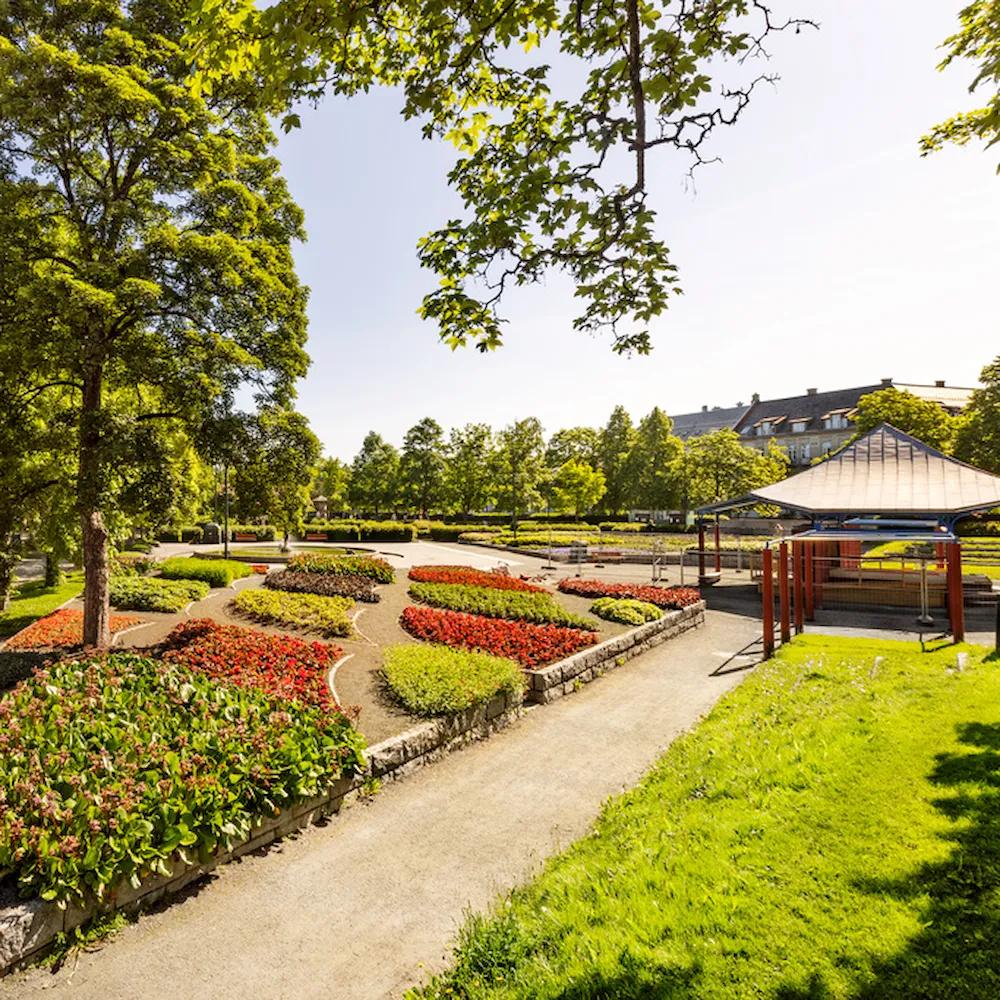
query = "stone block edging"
x=562 y=678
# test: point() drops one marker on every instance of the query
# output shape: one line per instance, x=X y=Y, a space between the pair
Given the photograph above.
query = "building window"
x=835 y=422
x=765 y=428
x=798 y=426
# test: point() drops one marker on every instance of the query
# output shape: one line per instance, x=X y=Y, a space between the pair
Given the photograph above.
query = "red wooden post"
x=809 y=582
x=786 y=618
x=767 y=601
x=939 y=554
x=718 y=547
x=797 y=586
x=701 y=550
x=956 y=607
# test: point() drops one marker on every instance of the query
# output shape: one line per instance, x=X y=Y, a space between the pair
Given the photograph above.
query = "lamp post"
x=225 y=510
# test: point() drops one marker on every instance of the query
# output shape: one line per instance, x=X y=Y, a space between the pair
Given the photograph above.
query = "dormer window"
x=765 y=428
x=835 y=420
x=799 y=426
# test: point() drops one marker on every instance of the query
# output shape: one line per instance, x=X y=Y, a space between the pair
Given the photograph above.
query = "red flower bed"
x=530 y=645
x=279 y=665
x=261 y=569
x=62 y=628
x=662 y=597
x=472 y=577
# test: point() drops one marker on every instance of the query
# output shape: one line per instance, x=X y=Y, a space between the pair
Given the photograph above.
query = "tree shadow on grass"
x=635 y=979
x=957 y=954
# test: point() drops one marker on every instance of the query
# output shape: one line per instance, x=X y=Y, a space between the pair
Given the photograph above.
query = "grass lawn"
x=34 y=600
x=831 y=830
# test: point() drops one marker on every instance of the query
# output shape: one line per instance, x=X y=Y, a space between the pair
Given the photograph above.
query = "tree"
x=653 y=466
x=421 y=468
x=567 y=169
x=978 y=437
x=578 y=487
x=164 y=270
x=576 y=444
x=924 y=419
x=469 y=468
x=718 y=466
x=332 y=480
x=375 y=475
x=519 y=464
x=978 y=40
x=616 y=442
x=272 y=479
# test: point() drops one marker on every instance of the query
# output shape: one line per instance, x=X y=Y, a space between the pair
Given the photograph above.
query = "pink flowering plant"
x=112 y=767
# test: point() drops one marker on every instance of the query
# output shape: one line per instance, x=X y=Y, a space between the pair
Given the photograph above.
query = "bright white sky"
x=822 y=251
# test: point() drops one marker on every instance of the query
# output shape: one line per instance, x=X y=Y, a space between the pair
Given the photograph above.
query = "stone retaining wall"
x=568 y=675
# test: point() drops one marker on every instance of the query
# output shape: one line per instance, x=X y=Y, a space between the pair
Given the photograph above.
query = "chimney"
x=755 y=398
x=939 y=383
x=887 y=381
x=811 y=392
x=739 y=402
x=704 y=409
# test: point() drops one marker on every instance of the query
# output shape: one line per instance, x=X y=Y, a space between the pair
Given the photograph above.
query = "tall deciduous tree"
x=616 y=443
x=549 y=179
x=332 y=480
x=653 y=466
x=520 y=466
x=978 y=437
x=718 y=466
x=470 y=481
x=922 y=418
x=375 y=475
x=573 y=444
x=578 y=487
x=166 y=269
x=421 y=467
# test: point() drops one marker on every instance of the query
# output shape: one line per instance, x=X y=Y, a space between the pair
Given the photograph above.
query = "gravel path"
x=368 y=904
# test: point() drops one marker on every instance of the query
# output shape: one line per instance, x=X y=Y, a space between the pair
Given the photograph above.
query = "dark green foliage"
x=215 y=572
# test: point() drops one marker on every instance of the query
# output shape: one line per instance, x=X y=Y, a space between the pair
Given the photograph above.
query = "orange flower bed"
x=62 y=629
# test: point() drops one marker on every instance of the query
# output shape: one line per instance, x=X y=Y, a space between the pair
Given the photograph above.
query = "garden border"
x=28 y=928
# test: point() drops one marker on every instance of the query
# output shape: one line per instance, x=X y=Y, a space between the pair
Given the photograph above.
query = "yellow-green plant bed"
x=329 y=616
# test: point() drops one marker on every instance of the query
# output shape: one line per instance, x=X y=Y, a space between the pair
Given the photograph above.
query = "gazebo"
x=886 y=486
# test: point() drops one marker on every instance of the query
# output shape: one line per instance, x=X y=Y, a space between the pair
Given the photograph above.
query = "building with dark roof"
x=707 y=419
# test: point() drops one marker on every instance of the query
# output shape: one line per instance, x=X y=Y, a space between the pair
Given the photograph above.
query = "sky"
x=822 y=251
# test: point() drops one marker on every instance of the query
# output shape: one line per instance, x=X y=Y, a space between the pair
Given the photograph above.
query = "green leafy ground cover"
x=328 y=615
x=831 y=830
x=436 y=680
x=31 y=601
x=150 y=593
x=625 y=610
x=542 y=609
x=214 y=572
x=980 y=556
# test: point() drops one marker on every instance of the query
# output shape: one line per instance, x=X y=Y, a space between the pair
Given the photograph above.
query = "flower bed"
x=214 y=572
x=110 y=767
x=538 y=608
x=472 y=577
x=530 y=645
x=327 y=615
x=279 y=665
x=61 y=630
x=662 y=597
x=321 y=562
x=435 y=680
x=625 y=610
x=359 y=588
x=150 y=593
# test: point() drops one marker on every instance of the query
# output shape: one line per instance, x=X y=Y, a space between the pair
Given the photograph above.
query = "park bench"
x=245 y=536
x=608 y=556
x=315 y=536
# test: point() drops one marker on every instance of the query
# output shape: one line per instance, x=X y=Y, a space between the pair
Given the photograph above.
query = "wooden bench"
x=244 y=536
x=315 y=536
x=607 y=556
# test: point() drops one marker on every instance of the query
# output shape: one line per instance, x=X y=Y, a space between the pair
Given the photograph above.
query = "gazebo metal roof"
x=885 y=473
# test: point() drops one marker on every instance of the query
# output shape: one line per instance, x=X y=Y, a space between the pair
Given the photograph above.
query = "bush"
x=132 y=564
x=362 y=531
x=62 y=629
x=359 y=588
x=662 y=597
x=530 y=645
x=139 y=593
x=322 y=562
x=452 y=532
x=539 y=608
x=261 y=532
x=185 y=768
x=189 y=533
x=215 y=572
x=473 y=577
x=435 y=680
x=626 y=526
x=625 y=610
x=327 y=615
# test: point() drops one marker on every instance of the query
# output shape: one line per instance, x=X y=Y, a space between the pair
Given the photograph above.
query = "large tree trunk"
x=53 y=571
x=96 y=606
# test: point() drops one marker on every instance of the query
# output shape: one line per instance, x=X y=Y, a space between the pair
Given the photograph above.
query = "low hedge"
x=322 y=562
x=438 y=680
x=625 y=610
x=215 y=572
x=190 y=533
x=150 y=593
x=359 y=588
x=627 y=526
x=261 y=532
x=189 y=765
x=452 y=532
x=510 y=604
x=326 y=615
x=361 y=531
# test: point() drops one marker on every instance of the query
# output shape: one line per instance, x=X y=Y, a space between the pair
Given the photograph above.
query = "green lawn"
x=831 y=830
x=34 y=600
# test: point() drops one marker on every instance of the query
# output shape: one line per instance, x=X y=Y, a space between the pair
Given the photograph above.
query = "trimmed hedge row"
x=360 y=531
x=358 y=588
x=215 y=572
x=190 y=533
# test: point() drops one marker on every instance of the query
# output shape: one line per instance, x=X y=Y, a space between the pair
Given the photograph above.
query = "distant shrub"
x=190 y=533
x=627 y=526
x=260 y=532
x=452 y=532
